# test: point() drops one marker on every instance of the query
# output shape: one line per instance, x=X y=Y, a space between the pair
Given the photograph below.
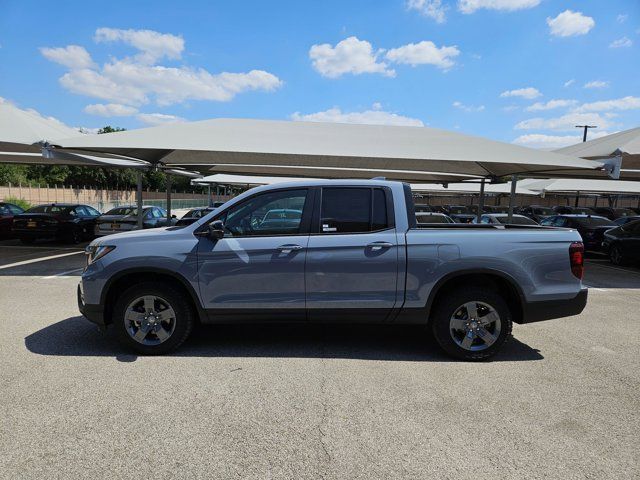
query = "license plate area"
x=32 y=224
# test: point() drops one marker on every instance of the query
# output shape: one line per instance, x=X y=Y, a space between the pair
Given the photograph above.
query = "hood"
x=152 y=234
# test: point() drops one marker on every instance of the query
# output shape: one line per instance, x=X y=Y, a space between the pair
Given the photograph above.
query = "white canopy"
x=577 y=185
x=497 y=188
x=289 y=145
x=624 y=144
x=224 y=179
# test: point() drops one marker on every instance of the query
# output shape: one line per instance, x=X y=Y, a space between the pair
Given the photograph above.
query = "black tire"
x=184 y=317
x=615 y=256
x=450 y=304
x=27 y=240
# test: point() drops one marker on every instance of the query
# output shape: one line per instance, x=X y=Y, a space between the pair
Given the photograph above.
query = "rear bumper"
x=93 y=313
x=547 y=310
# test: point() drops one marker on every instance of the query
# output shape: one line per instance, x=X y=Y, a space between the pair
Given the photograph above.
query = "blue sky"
x=523 y=71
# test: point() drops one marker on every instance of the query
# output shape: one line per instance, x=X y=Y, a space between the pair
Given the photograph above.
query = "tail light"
x=576 y=258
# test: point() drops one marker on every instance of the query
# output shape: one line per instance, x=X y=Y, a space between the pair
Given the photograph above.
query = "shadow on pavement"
x=75 y=336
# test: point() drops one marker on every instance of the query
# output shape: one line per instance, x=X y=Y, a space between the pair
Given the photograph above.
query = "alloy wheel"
x=475 y=326
x=150 y=320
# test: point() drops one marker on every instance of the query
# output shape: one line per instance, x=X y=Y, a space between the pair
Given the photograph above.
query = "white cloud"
x=566 y=122
x=429 y=8
x=154 y=119
x=547 y=142
x=625 y=103
x=110 y=110
x=71 y=56
x=568 y=83
x=374 y=116
x=550 y=105
x=596 y=84
x=424 y=53
x=622 y=18
x=623 y=42
x=152 y=45
x=468 y=108
x=137 y=80
x=470 y=6
x=528 y=93
x=569 y=24
x=350 y=55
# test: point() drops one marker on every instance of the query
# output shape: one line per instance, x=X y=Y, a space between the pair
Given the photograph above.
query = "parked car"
x=613 y=213
x=536 y=213
x=590 y=227
x=194 y=215
x=432 y=217
x=503 y=219
x=463 y=217
x=567 y=210
x=623 y=220
x=370 y=262
x=501 y=209
x=125 y=218
x=457 y=209
x=62 y=221
x=7 y=212
x=623 y=243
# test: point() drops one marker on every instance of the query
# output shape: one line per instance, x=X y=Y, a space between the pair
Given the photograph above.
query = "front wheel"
x=472 y=323
x=152 y=318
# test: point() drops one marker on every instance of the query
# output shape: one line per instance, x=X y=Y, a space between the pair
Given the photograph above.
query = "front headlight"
x=96 y=252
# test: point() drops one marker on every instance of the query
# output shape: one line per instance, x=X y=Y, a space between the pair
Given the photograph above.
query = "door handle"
x=289 y=248
x=379 y=245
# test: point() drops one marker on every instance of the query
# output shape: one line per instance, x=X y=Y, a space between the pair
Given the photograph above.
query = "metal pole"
x=512 y=197
x=209 y=202
x=168 y=198
x=139 y=199
x=480 y=200
x=577 y=198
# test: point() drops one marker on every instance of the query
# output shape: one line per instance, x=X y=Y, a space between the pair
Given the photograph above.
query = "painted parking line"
x=41 y=259
x=62 y=274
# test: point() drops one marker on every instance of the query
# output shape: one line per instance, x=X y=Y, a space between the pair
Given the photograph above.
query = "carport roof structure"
x=624 y=144
x=330 y=150
x=474 y=188
x=581 y=185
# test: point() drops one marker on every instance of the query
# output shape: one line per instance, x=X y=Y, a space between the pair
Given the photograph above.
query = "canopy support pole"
x=139 y=199
x=209 y=202
x=168 y=199
x=480 y=200
x=512 y=197
x=577 y=198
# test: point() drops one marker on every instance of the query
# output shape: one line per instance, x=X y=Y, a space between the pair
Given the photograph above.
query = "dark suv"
x=591 y=228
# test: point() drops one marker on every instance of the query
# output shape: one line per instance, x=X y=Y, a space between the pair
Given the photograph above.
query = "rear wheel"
x=615 y=255
x=152 y=318
x=472 y=323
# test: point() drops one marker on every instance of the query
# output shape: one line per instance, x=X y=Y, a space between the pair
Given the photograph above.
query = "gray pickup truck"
x=332 y=251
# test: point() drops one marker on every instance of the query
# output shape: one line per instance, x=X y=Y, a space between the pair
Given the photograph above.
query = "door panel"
x=253 y=272
x=353 y=271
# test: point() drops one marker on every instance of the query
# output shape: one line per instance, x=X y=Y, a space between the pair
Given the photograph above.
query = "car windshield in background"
x=458 y=210
x=121 y=211
x=583 y=211
x=594 y=222
x=431 y=219
x=543 y=211
x=516 y=220
x=623 y=212
x=54 y=209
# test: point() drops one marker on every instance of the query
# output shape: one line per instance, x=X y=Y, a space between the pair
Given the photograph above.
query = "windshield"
x=583 y=211
x=53 y=209
x=595 y=222
x=121 y=211
x=516 y=220
x=431 y=219
x=458 y=210
x=543 y=211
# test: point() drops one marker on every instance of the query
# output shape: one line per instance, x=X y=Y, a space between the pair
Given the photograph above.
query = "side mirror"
x=216 y=230
x=173 y=216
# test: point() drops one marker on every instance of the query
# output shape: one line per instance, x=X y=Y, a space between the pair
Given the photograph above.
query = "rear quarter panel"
x=536 y=259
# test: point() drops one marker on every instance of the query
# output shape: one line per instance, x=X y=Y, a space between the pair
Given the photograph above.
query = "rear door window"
x=353 y=210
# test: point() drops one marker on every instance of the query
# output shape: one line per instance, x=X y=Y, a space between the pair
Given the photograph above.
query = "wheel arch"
x=124 y=279
x=494 y=279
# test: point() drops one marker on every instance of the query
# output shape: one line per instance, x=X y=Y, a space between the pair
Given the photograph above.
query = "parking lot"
x=560 y=401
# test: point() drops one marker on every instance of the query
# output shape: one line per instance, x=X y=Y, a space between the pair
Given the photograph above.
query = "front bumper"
x=549 y=309
x=93 y=313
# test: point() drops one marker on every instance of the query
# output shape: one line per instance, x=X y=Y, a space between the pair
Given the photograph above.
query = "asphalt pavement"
x=334 y=402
